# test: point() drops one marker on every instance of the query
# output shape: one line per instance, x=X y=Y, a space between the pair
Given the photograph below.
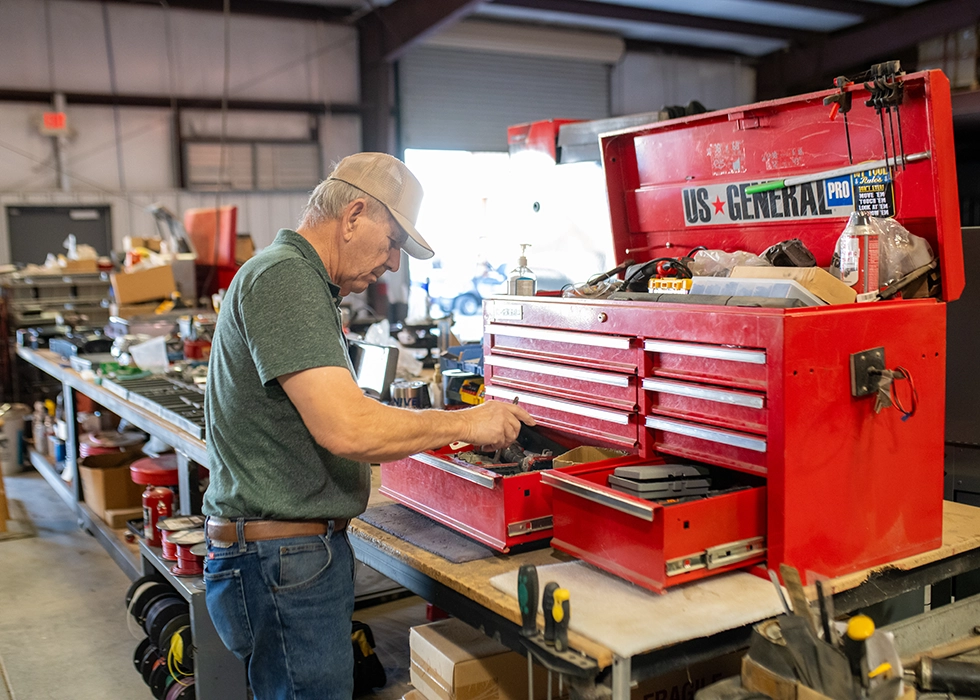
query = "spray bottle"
x=521 y=281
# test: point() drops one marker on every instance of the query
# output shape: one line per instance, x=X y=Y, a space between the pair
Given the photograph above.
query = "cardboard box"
x=131 y=242
x=816 y=280
x=584 y=455
x=117 y=517
x=453 y=661
x=132 y=310
x=78 y=267
x=106 y=484
x=143 y=285
x=684 y=683
x=244 y=248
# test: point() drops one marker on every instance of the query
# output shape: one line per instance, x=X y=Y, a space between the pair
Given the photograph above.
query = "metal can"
x=410 y=394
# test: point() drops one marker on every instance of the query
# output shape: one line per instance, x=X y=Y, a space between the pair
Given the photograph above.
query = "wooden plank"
x=961 y=533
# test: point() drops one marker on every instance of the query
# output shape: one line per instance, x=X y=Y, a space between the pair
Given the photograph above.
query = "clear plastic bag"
x=899 y=252
x=718 y=263
x=599 y=290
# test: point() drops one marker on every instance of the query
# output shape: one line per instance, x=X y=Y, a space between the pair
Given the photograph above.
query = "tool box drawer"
x=612 y=389
x=652 y=545
x=706 y=403
x=595 y=425
x=592 y=350
x=726 y=448
x=715 y=364
x=499 y=511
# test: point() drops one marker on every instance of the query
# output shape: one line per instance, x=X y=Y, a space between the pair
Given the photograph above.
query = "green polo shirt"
x=280 y=315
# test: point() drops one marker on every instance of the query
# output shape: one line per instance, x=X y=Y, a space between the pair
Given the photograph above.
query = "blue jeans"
x=284 y=607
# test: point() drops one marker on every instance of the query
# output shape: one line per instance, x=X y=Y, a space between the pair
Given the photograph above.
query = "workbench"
x=464 y=590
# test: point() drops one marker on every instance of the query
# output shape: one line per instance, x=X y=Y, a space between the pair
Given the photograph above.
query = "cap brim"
x=414 y=245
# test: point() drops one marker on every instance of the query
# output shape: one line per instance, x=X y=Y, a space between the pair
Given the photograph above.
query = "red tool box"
x=835 y=487
x=832 y=487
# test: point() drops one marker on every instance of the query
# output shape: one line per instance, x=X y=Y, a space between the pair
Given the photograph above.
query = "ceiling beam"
x=870 y=11
x=261 y=8
x=787 y=72
x=404 y=23
x=631 y=13
x=686 y=50
x=384 y=35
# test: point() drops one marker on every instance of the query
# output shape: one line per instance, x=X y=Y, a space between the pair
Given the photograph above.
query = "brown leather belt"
x=256 y=530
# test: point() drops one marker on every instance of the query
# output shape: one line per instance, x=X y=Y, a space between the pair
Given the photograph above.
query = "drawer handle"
x=564 y=406
x=735 y=398
x=477 y=477
x=559 y=371
x=596 y=340
x=696 y=431
x=588 y=491
x=714 y=352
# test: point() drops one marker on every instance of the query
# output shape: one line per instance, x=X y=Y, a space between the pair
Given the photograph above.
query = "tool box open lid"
x=679 y=184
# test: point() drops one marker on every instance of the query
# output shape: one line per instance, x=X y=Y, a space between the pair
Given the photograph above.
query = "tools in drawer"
x=661 y=482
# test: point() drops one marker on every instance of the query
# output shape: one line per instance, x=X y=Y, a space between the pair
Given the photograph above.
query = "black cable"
x=687 y=274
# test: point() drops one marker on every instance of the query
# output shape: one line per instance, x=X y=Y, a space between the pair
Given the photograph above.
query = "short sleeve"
x=290 y=321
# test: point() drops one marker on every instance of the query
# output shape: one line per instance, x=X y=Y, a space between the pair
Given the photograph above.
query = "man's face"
x=374 y=248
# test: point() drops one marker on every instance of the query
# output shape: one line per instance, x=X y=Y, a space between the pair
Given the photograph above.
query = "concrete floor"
x=63 y=631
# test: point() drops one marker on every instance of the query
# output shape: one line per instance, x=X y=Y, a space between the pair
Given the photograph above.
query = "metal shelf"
x=218 y=674
x=113 y=541
x=194 y=448
x=47 y=469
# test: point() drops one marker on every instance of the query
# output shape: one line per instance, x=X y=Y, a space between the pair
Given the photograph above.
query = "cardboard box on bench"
x=106 y=484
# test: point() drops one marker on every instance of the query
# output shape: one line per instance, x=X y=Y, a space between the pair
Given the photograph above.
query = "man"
x=290 y=434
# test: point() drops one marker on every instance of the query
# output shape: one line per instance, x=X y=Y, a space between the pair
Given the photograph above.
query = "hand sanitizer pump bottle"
x=521 y=281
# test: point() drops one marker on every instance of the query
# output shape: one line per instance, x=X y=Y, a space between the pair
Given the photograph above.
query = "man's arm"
x=352 y=425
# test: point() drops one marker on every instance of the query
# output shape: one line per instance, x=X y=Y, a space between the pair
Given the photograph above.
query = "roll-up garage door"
x=465 y=100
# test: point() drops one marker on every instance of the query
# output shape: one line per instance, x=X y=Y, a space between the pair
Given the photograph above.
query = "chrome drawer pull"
x=696 y=431
x=714 y=352
x=563 y=406
x=596 y=340
x=735 y=398
x=619 y=380
x=579 y=487
x=459 y=470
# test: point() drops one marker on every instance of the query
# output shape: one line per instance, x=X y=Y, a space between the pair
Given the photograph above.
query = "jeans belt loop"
x=240 y=530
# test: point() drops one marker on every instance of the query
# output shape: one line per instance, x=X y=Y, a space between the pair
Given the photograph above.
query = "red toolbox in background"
x=764 y=392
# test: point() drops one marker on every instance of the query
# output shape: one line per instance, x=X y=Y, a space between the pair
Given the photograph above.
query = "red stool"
x=158 y=474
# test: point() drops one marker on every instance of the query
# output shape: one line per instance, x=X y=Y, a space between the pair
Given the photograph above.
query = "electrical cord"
x=906 y=413
x=643 y=271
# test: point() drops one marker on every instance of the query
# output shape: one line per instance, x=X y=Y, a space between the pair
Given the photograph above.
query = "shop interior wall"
x=124 y=156
x=646 y=82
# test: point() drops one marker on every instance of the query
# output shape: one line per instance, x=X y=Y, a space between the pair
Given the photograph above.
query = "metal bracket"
x=717 y=556
x=863 y=383
x=568 y=663
x=523 y=527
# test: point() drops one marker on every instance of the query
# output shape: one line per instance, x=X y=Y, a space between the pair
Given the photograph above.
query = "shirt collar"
x=289 y=237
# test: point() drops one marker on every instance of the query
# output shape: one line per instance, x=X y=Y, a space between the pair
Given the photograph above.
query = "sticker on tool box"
x=874 y=192
x=832 y=198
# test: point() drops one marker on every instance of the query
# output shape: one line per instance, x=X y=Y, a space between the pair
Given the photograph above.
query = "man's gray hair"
x=328 y=200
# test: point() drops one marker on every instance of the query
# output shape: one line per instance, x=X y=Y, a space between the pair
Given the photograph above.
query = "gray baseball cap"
x=388 y=180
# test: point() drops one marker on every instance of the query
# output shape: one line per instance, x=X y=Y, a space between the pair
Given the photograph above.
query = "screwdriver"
x=561 y=611
x=859 y=629
x=547 y=603
x=527 y=601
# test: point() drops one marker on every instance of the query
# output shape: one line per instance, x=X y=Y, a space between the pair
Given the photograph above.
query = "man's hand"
x=493 y=423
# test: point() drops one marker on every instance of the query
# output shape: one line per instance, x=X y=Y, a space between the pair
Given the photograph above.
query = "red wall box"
x=764 y=392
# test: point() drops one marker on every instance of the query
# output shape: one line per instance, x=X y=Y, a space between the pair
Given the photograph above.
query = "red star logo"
x=719 y=206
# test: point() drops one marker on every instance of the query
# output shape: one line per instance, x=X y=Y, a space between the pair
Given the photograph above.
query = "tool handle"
x=527 y=598
x=547 y=604
x=561 y=611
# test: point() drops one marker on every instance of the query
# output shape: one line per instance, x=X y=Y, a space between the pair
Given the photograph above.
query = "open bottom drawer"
x=652 y=545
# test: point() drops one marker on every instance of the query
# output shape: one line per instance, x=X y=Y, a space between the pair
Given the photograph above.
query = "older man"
x=290 y=434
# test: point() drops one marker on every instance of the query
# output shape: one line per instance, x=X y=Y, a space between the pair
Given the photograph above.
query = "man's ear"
x=353 y=212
